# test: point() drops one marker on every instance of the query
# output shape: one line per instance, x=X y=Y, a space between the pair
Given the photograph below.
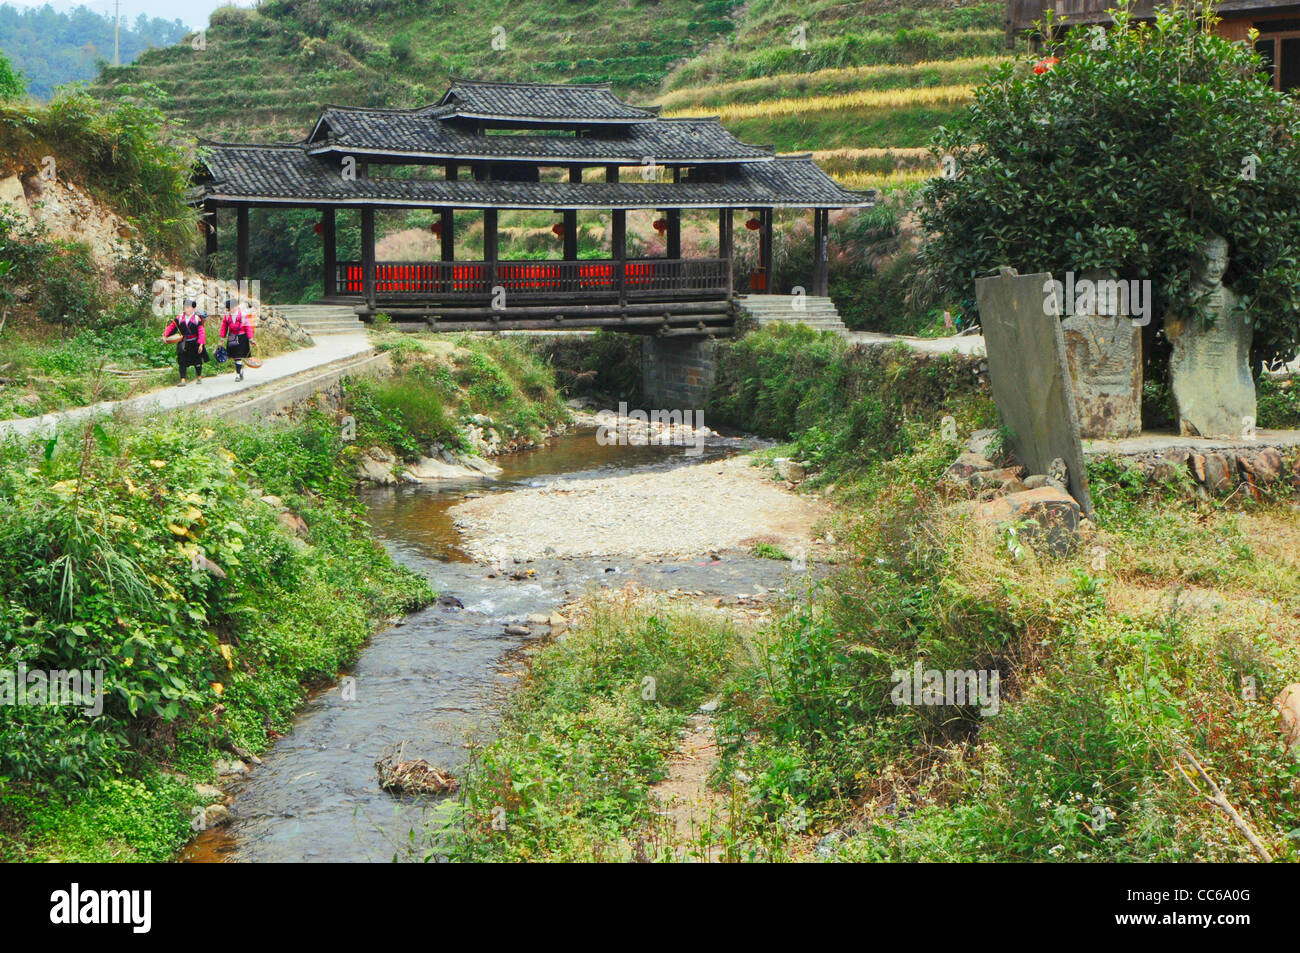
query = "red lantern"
x=1045 y=65
x=436 y=228
x=558 y=228
x=753 y=225
x=319 y=228
x=661 y=225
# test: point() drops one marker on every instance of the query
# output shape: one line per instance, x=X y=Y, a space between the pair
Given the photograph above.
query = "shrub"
x=11 y=83
x=1128 y=153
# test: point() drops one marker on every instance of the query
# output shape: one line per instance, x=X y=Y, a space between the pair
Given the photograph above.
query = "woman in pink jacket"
x=237 y=332
x=186 y=331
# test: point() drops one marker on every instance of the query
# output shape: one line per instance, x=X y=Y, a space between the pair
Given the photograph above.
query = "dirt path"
x=684 y=512
x=695 y=815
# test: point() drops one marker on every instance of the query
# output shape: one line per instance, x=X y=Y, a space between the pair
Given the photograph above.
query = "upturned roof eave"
x=862 y=201
x=340 y=148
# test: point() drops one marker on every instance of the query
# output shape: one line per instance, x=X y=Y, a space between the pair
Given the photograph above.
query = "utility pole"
x=117 y=18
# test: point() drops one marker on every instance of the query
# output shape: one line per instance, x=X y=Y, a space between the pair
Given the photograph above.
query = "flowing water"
x=433 y=682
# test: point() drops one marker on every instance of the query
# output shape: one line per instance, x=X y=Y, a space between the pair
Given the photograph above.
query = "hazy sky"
x=193 y=13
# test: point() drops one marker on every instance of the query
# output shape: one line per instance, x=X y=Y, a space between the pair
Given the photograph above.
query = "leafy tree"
x=1126 y=149
x=11 y=83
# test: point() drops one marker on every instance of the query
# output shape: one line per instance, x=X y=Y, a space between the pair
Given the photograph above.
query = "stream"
x=433 y=682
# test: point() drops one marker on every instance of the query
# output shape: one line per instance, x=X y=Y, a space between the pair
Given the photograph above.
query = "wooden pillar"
x=821 y=223
x=329 y=252
x=570 y=234
x=611 y=173
x=575 y=173
x=452 y=173
x=674 y=233
x=619 y=242
x=448 y=234
x=209 y=235
x=491 y=245
x=241 y=243
x=725 y=243
x=765 y=246
x=368 y=254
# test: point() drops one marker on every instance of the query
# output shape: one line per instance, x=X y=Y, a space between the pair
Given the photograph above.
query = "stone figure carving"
x=1104 y=350
x=1210 y=367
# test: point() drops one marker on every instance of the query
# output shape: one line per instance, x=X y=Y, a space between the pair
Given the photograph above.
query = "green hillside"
x=264 y=73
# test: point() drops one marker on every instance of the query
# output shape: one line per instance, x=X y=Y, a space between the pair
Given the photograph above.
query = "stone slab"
x=1105 y=360
x=1029 y=374
x=1209 y=374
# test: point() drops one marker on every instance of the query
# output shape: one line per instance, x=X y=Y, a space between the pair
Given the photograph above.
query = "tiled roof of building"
x=288 y=174
x=540 y=102
x=425 y=133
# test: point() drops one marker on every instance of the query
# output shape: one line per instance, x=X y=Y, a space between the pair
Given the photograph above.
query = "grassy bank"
x=214 y=573
x=845 y=408
x=158 y=554
x=442 y=383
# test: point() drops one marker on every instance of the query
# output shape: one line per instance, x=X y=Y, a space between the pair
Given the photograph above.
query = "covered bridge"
x=494 y=146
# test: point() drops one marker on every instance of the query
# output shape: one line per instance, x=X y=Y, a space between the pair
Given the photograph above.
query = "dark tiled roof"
x=542 y=102
x=288 y=174
x=423 y=132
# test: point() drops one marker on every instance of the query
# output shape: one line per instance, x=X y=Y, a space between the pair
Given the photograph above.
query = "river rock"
x=272 y=500
x=225 y=768
x=538 y=618
x=481 y=466
x=789 y=470
x=209 y=791
x=518 y=630
x=293 y=522
x=980 y=441
x=1057 y=514
x=216 y=815
x=965 y=466
x=376 y=471
x=1104 y=356
x=997 y=478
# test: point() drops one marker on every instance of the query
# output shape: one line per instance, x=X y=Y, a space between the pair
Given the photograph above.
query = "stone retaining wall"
x=1220 y=471
x=677 y=373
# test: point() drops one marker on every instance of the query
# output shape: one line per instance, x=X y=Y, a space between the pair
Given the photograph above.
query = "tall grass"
x=863 y=99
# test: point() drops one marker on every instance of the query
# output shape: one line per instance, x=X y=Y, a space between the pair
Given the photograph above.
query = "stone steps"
x=317 y=319
x=818 y=313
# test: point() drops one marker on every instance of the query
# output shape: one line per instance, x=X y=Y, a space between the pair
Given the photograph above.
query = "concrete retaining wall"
x=291 y=395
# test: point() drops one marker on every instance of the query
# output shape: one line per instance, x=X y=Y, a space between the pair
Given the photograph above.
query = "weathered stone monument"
x=1210 y=367
x=1103 y=347
x=1029 y=374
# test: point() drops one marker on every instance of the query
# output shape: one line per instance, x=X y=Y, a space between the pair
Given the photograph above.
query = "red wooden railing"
x=644 y=277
